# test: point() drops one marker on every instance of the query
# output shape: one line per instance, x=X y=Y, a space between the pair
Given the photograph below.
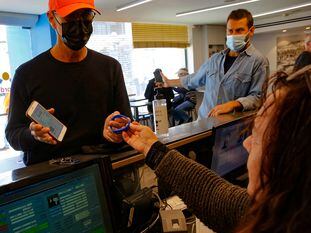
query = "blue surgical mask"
x=237 y=42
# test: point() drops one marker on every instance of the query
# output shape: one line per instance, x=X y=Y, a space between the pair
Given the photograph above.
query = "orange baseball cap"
x=66 y=7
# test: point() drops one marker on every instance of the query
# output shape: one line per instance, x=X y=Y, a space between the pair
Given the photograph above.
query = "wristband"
x=124 y=128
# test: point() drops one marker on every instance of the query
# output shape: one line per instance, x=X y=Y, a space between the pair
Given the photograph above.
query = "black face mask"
x=76 y=34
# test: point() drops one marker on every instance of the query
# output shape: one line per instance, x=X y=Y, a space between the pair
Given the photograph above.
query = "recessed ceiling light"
x=282 y=10
x=284 y=30
x=132 y=4
x=213 y=8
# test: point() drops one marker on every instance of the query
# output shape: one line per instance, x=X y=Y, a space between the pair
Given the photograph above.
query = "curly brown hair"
x=284 y=203
x=241 y=14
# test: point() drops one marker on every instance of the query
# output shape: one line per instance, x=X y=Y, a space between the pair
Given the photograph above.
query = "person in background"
x=278 y=196
x=184 y=101
x=232 y=78
x=308 y=41
x=304 y=58
x=79 y=86
x=154 y=88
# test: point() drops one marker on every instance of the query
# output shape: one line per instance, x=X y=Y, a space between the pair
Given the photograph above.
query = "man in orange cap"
x=79 y=86
x=64 y=17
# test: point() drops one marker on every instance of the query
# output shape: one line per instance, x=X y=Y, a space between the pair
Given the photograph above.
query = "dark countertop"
x=183 y=134
x=198 y=127
x=178 y=136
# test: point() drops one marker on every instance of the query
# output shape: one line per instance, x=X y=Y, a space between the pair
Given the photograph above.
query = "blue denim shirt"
x=242 y=82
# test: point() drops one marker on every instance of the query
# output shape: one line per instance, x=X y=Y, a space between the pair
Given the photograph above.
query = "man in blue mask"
x=232 y=78
x=81 y=87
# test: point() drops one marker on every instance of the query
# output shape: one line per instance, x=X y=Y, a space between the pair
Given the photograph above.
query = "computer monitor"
x=74 y=201
x=228 y=151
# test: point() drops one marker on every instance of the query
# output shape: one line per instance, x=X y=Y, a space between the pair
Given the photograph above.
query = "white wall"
x=198 y=46
x=202 y=37
x=266 y=44
x=190 y=50
x=265 y=38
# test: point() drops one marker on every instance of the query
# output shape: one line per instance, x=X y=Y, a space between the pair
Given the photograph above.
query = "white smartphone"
x=40 y=115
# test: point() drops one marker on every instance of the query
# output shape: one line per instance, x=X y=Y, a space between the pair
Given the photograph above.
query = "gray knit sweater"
x=217 y=203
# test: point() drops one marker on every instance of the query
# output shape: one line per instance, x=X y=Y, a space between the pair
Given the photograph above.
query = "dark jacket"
x=184 y=95
x=150 y=92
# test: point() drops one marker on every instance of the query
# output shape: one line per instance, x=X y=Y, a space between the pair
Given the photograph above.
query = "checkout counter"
x=195 y=140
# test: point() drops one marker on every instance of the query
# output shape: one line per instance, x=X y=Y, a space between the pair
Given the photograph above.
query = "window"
x=145 y=61
x=115 y=40
x=15 y=49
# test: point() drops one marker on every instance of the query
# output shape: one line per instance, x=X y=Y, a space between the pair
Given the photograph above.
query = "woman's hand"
x=140 y=137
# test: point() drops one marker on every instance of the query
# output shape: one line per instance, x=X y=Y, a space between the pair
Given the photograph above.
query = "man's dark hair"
x=241 y=14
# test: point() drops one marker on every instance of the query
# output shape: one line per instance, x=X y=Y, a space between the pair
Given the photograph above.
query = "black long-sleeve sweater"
x=83 y=94
x=217 y=203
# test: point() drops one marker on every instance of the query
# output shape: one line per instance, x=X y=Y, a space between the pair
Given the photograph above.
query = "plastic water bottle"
x=160 y=117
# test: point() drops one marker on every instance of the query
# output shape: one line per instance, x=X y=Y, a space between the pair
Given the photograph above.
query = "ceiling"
x=164 y=11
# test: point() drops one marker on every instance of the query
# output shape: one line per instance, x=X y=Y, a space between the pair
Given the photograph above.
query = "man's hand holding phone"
x=45 y=127
x=41 y=133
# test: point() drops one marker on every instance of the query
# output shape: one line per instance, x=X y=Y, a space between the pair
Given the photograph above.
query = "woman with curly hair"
x=278 y=196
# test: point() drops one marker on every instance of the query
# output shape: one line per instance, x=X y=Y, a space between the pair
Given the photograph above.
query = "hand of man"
x=107 y=132
x=165 y=80
x=170 y=82
x=41 y=133
x=225 y=108
x=140 y=137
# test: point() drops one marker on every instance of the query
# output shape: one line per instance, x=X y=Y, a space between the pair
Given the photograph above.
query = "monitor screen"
x=228 y=151
x=71 y=202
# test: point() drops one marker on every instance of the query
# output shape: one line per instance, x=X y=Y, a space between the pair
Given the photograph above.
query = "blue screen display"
x=43 y=117
x=71 y=203
x=228 y=150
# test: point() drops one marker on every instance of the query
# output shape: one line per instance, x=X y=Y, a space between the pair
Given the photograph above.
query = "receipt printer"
x=173 y=221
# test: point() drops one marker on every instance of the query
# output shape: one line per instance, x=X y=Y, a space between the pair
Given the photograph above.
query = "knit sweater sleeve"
x=217 y=203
